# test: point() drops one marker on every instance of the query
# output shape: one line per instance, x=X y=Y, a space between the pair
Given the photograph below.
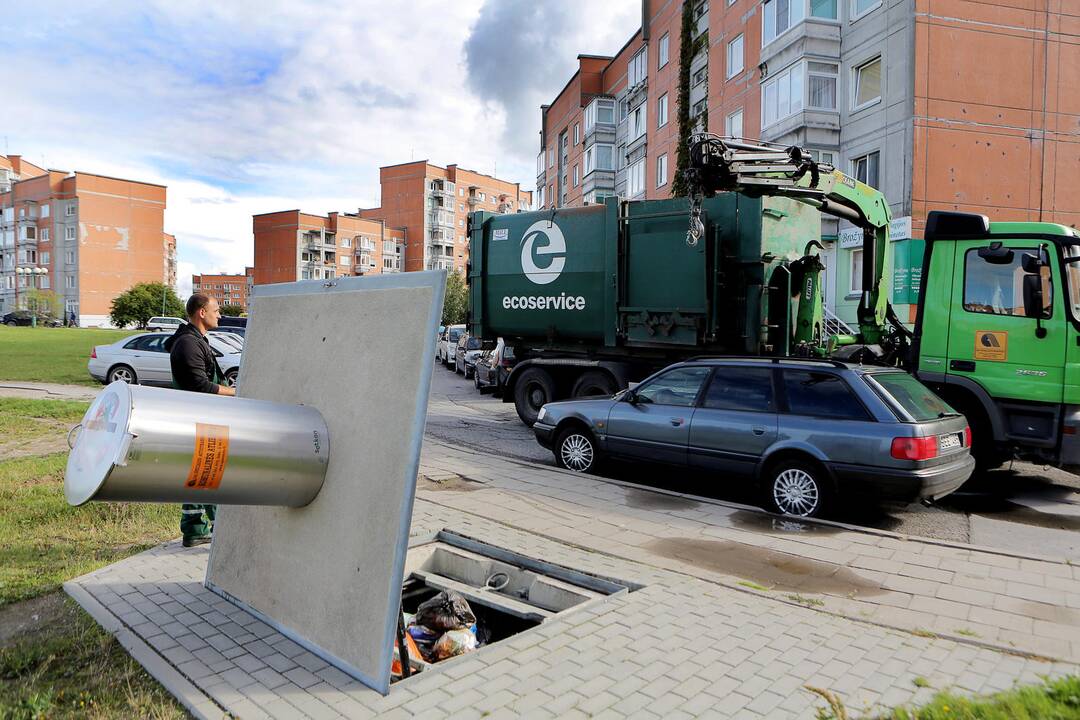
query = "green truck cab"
x=997 y=334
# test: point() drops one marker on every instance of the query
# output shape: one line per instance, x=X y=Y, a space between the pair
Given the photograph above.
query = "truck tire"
x=534 y=389
x=983 y=447
x=594 y=383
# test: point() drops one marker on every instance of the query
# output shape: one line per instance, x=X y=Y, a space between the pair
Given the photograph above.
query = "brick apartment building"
x=432 y=204
x=226 y=289
x=942 y=104
x=291 y=245
x=85 y=237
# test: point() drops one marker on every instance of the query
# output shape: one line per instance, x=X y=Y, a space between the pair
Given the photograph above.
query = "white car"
x=164 y=323
x=237 y=341
x=448 y=344
x=143 y=360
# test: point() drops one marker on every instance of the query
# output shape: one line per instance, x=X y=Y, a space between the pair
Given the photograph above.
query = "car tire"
x=230 y=377
x=476 y=383
x=534 y=389
x=122 y=373
x=799 y=488
x=594 y=383
x=575 y=450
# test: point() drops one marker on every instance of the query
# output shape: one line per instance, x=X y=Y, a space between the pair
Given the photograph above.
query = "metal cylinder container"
x=145 y=444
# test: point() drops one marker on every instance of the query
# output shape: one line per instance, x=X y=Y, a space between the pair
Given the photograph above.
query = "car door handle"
x=758 y=430
x=677 y=421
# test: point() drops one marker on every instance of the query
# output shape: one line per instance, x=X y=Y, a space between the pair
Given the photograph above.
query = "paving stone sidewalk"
x=692 y=641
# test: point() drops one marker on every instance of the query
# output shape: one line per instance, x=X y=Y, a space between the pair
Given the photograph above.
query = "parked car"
x=163 y=323
x=448 y=344
x=493 y=367
x=468 y=349
x=226 y=321
x=438 y=337
x=143 y=360
x=25 y=317
x=807 y=432
x=240 y=332
x=236 y=341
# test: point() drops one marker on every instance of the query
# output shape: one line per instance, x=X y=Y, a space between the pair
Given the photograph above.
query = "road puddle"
x=768 y=568
x=773 y=525
x=646 y=500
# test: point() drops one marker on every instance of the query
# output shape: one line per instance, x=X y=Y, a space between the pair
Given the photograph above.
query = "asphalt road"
x=1024 y=508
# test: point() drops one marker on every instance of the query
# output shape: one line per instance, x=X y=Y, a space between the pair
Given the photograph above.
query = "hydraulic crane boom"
x=730 y=165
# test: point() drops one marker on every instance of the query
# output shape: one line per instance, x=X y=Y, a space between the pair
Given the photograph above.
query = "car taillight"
x=93 y=353
x=914 y=448
x=967 y=436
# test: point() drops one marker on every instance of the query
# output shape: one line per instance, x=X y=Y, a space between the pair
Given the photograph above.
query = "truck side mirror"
x=996 y=254
x=1031 y=264
x=1033 y=302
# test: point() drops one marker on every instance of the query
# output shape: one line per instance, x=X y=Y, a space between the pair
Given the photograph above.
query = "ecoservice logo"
x=556 y=248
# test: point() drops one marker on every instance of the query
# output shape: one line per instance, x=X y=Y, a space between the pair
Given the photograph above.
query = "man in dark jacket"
x=194 y=368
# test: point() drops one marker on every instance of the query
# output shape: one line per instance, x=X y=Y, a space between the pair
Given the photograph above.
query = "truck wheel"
x=533 y=390
x=594 y=383
x=983 y=449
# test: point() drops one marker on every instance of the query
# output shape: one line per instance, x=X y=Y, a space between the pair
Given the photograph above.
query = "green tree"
x=456 y=303
x=232 y=310
x=141 y=302
x=44 y=303
x=686 y=55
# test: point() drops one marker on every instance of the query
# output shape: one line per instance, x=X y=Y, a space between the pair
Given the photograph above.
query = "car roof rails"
x=772 y=359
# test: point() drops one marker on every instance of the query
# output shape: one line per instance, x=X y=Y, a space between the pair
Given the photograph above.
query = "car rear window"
x=454 y=335
x=919 y=401
x=821 y=394
x=472 y=343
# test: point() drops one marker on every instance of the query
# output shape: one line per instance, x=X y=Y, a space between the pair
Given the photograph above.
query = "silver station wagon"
x=806 y=431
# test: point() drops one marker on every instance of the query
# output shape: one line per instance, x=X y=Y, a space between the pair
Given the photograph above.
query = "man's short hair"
x=196 y=303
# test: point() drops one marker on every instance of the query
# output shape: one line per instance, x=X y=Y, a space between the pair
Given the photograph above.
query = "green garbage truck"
x=598 y=297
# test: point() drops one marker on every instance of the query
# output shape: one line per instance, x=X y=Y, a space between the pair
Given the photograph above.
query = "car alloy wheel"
x=576 y=452
x=123 y=374
x=476 y=381
x=230 y=378
x=796 y=492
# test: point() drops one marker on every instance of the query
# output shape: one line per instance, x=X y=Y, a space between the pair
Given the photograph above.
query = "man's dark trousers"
x=197 y=521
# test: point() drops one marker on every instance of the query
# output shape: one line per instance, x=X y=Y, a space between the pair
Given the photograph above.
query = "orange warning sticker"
x=991 y=345
x=211 y=454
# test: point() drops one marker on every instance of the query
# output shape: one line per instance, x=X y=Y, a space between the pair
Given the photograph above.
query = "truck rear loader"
x=595 y=298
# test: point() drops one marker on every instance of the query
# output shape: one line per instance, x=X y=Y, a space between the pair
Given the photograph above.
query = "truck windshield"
x=910 y=395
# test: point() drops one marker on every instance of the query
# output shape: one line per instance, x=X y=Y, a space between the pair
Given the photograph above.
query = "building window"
x=598 y=157
x=69 y=257
x=821 y=81
x=661 y=111
x=577 y=179
x=69 y=232
x=551 y=158
x=577 y=133
x=70 y=209
x=461 y=222
x=782 y=96
x=779 y=16
x=867 y=80
x=855 y=286
x=540 y=196
x=638 y=69
x=733 y=124
x=735 y=57
x=346 y=242
x=865 y=168
x=701 y=8
x=637 y=126
x=823 y=9
x=827 y=157
x=346 y=260
x=861 y=7
x=700 y=76
x=661 y=171
x=45 y=210
x=69 y=282
x=45 y=258
x=45 y=233
x=636 y=179
x=662 y=52
x=600 y=110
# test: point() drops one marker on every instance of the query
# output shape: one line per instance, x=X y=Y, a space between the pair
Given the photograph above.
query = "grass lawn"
x=28 y=419
x=66 y=666
x=56 y=355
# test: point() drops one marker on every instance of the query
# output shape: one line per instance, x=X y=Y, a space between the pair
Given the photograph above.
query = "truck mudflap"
x=1069 y=457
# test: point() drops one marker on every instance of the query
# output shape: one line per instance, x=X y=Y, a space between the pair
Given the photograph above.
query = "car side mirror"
x=631 y=397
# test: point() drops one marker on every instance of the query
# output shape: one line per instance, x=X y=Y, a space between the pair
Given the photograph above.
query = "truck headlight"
x=543 y=413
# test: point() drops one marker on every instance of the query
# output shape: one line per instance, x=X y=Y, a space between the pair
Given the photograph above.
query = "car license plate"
x=948 y=442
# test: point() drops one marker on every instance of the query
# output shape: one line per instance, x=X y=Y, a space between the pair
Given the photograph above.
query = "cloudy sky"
x=243 y=107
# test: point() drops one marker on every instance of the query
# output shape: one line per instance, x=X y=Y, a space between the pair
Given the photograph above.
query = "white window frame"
x=69 y=257
x=733 y=70
x=793 y=20
x=662 y=110
x=638 y=121
x=855 y=14
x=577 y=133
x=69 y=282
x=635 y=178
x=346 y=260
x=819 y=156
x=70 y=233
x=577 y=175
x=661 y=171
x=44 y=234
x=855 y=278
x=637 y=71
x=855 y=84
x=729 y=124
x=46 y=257
x=834 y=76
x=45 y=210
x=69 y=210
x=796 y=71
x=853 y=165
x=662 y=51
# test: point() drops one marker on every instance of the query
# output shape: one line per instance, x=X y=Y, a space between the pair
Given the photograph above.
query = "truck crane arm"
x=728 y=165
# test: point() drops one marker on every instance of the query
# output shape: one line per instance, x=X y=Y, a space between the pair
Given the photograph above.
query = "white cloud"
x=247 y=107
